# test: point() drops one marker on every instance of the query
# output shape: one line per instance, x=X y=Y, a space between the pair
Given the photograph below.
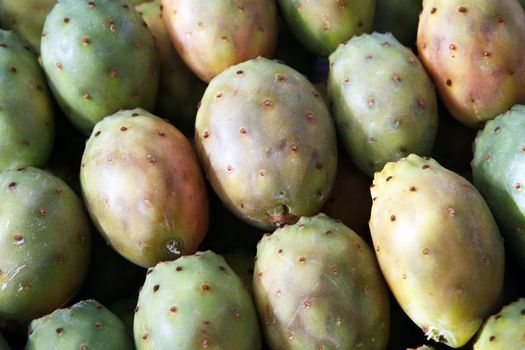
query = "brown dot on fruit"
x=462 y=9
x=452 y=46
x=97 y=133
x=91 y=4
x=66 y=20
x=451 y=212
x=412 y=189
x=334 y=270
x=59 y=330
x=113 y=73
x=204 y=343
x=178 y=268
x=262 y=173
x=42 y=211
x=302 y=259
x=239 y=72
x=145 y=336
x=433 y=10
x=392 y=218
x=449 y=82
x=86 y=41
x=87 y=96
x=123 y=128
x=371 y=101
x=156 y=288
x=173 y=309
x=98 y=325
x=11 y=185
x=426 y=251
x=388 y=178
x=267 y=104
x=396 y=78
x=492 y=338
x=243 y=131
x=205 y=287
x=426 y=166
x=12 y=69
x=281 y=77
x=517 y=186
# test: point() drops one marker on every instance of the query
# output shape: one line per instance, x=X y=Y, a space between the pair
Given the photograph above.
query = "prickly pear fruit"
x=384 y=102
x=504 y=330
x=26 y=109
x=25 y=17
x=143 y=187
x=212 y=35
x=195 y=302
x=425 y=217
x=44 y=243
x=85 y=325
x=350 y=200
x=180 y=91
x=422 y=347
x=3 y=343
x=267 y=143
x=498 y=168
x=317 y=286
x=322 y=25
x=399 y=17
x=99 y=58
x=474 y=52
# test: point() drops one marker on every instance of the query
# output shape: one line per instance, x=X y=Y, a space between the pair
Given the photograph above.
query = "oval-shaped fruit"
x=504 y=330
x=267 y=143
x=26 y=111
x=44 y=243
x=212 y=35
x=498 y=169
x=384 y=102
x=180 y=91
x=85 y=325
x=26 y=17
x=195 y=302
x=438 y=246
x=324 y=24
x=143 y=187
x=317 y=286
x=473 y=49
x=99 y=57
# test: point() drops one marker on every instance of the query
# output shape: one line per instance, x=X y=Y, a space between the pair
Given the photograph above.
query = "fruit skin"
x=399 y=17
x=350 y=200
x=322 y=25
x=462 y=43
x=212 y=35
x=3 y=343
x=26 y=17
x=85 y=325
x=267 y=143
x=99 y=58
x=195 y=302
x=44 y=243
x=423 y=347
x=497 y=168
x=504 y=330
x=143 y=188
x=180 y=91
x=26 y=110
x=317 y=286
x=384 y=102
x=443 y=220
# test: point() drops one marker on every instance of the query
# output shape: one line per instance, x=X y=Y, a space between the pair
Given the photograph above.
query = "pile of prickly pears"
x=262 y=174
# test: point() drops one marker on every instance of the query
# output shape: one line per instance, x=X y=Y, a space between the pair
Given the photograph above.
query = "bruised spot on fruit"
x=97 y=133
x=403 y=150
x=136 y=310
x=424 y=45
x=522 y=312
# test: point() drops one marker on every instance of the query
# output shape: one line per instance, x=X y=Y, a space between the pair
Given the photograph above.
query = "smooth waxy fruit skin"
x=399 y=17
x=212 y=35
x=26 y=111
x=384 y=102
x=144 y=188
x=322 y=25
x=504 y=330
x=180 y=91
x=44 y=243
x=195 y=302
x=267 y=143
x=26 y=17
x=425 y=218
x=99 y=58
x=498 y=168
x=474 y=51
x=317 y=286
x=85 y=325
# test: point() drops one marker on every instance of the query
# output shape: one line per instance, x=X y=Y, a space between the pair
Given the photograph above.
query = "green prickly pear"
x=399 y=17
x=384 y=102
x=26 y=17
x=498 y=168
x=473 y=49
x=438 y=247
x=504 y=330
x=44 y=243
x=85 y=325
x=195 y=302
x=26 y=108
x=144 y=188
x=180 y=91
x=317 y=286
x=267 y=143
x=322 y=25
x=99 y=57
x=3 y=343
x=212 y=35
